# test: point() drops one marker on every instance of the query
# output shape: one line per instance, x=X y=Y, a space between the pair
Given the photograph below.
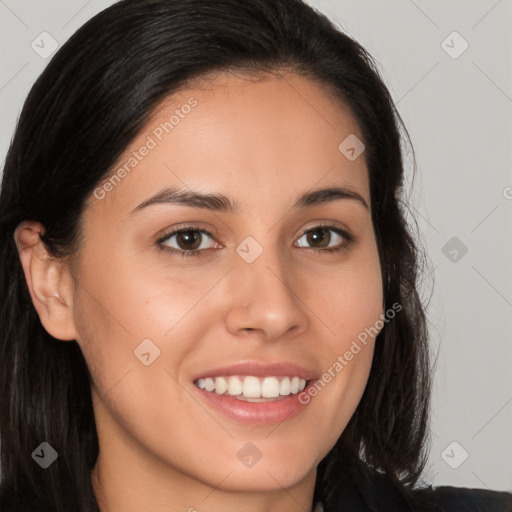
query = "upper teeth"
x=253 y=387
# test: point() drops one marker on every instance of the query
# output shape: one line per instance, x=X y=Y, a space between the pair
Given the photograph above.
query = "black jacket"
x=371 y=491
x=440 y=499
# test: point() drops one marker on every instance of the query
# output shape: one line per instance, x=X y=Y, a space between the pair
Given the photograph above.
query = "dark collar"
x=367 y=490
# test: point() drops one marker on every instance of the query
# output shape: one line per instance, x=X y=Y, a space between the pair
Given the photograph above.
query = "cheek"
x=349 y=303
x=349 y=298
x=122 y=302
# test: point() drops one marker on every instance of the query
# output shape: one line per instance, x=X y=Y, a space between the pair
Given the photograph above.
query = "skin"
x=262 y=144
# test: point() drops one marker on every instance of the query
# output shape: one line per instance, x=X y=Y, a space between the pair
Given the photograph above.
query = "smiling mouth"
x=249 y=388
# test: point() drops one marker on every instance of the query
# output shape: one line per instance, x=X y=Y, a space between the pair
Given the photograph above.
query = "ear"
x=49 y=282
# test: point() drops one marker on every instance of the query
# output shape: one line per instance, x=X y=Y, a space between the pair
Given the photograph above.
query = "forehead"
x=243 y=137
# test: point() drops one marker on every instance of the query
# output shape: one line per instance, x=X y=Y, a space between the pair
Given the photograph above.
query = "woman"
x=212 y=300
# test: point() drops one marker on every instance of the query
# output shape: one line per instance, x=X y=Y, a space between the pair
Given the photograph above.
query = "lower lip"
x=256 y=413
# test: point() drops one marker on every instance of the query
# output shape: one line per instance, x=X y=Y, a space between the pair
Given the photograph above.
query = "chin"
x=272 y=475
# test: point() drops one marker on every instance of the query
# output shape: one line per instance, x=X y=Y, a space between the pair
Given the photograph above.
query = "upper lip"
x=260 y=369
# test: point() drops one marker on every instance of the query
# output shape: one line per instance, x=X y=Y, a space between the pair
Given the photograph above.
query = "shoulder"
x=462 y=499
x=367 y=489
x=440 y=499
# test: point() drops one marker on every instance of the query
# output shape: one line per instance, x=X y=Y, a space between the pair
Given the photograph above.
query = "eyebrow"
x=221 y=203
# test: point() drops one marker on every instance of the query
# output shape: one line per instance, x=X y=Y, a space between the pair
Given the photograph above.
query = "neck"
x=128 y=477
x=121 y=487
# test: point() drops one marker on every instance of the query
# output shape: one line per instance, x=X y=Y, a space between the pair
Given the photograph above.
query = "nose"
x=265 y=299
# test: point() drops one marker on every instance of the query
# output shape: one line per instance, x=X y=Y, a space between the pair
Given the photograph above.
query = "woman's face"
x=282 y=282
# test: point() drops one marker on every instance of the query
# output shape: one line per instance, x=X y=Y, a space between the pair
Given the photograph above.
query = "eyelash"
x=349 y=239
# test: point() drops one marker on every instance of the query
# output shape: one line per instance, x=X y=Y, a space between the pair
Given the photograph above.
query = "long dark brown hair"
x=83 y=111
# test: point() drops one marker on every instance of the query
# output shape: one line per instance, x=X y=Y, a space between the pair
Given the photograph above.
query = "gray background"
x=459 y=114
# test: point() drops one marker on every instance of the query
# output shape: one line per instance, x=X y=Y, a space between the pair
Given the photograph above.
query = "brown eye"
x=188 y=241
x=319 y=237
x=326 y=238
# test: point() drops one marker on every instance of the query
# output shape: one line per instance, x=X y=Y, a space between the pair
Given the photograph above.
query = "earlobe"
x=49 y=282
